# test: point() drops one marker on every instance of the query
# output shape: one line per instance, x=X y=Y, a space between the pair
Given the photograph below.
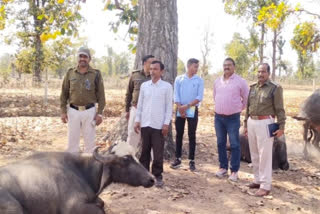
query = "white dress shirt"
x=155 y=104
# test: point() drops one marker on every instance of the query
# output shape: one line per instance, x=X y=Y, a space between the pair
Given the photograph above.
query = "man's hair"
x=145 y=58
x=268 y=66
x=158 y=62
x=231 y=60
x=192 y=61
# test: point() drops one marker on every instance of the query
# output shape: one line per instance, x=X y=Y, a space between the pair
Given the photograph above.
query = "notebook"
x=272 y=128
x=189 y=112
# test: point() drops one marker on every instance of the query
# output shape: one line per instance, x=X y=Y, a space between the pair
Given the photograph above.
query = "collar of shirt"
x=266 y=83
x=157 y=83
x=187 y=77
x=142 y=73
x=90 y=69
x=230 y=78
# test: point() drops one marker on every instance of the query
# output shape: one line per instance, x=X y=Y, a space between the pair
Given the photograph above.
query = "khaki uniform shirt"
x=266 y=100
x=136 y=79
x=82 y=89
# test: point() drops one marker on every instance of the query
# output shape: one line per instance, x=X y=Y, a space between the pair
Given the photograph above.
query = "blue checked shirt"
x=188 y=89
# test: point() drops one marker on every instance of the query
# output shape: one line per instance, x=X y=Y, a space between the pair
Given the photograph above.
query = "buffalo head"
x=120 y=165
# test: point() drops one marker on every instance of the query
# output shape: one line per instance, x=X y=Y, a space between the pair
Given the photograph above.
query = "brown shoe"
x=253 y=186
x=262 y=192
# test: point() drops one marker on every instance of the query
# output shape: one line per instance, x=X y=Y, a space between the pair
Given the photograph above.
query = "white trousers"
x=133 y=139
x=81 y=122
x=260 y=145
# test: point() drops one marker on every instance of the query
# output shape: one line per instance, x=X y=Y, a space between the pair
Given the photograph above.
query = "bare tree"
x=206 y=45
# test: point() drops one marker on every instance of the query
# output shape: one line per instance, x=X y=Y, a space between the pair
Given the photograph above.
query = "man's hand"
x=165 y=130
x=128 y=115
x=182 y=110
x=245 y=132
x=137 y=127
x=278 y=133
x=98 y=119
x=64 y=117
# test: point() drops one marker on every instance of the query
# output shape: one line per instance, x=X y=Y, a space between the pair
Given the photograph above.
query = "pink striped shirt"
x=230 y=96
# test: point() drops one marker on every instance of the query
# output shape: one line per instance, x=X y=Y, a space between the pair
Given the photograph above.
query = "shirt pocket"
x=137 y=84
x=265 y=99
x=73 y=84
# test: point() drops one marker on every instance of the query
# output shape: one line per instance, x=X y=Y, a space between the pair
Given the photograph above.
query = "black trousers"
x=152 y=138
x=192 y=128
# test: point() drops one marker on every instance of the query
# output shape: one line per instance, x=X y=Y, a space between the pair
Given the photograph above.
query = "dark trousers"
x=228 y=125
x=192 y=128
x=152 y=138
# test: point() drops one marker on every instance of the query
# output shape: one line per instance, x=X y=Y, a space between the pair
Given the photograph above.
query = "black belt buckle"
x=82 y=108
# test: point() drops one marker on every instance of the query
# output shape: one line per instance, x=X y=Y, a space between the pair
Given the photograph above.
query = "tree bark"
x=261 y=56
x=158 y=34
x=38 y=55
x=274 y=55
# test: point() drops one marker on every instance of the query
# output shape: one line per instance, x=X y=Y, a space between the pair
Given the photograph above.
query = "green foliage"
x=41 y=20
x=181 y=68
x=273 y=15
x=113 y=63
x=237 y=49
x=127 y=11
x=306 y=67
x=306 y=38
x=24 y=61
x=244 y=8
x=5 y=66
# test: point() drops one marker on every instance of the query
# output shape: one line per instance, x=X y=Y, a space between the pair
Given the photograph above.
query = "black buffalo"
x=64 y=183
x=310 y=114
x=279 y=153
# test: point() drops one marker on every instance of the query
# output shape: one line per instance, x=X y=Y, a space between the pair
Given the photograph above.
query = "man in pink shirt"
x=230 y=94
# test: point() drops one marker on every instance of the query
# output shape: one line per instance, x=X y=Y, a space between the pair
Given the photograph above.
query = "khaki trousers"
x=260 y=145
x=133 y=139
x=81 y=122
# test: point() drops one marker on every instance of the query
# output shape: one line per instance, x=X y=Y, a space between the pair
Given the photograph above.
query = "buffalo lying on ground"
x=64 y=183
x=310 y=114
x=279 y=153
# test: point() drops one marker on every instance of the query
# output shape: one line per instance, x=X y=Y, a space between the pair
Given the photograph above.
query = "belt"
x=224 y=115
x=82 y=108
x=262 y=117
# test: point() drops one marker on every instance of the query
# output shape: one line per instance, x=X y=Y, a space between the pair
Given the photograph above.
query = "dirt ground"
x=27 y=125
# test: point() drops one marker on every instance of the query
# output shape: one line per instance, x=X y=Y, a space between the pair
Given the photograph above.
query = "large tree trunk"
x=158 y=35
x=261 y=47
x=37 y=44
x=274 y=55
x=38 y=59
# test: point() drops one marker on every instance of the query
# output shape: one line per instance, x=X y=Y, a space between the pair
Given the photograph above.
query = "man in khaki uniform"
x=82 y=87
x=132 y=96
x=265 y=102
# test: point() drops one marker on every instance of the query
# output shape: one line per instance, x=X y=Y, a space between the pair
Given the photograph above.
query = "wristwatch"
x=100 y=115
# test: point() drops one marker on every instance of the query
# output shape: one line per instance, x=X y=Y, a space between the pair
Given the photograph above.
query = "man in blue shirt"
x=188 y=93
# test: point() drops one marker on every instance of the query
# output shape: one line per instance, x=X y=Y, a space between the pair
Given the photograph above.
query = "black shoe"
x=159 y=182
x=176 y=164
x=192 y=166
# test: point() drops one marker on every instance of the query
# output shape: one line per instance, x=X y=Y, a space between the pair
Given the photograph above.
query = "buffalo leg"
x=306 y=127
x=8 y=204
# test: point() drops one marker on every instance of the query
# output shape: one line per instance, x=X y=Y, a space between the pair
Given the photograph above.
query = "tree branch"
x=118 y=5
x=310 y=13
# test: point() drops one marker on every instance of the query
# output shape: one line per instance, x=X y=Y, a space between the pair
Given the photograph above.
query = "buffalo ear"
x=105 y=159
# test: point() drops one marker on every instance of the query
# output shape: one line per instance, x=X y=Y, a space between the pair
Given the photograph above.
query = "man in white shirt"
x=154 y=113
